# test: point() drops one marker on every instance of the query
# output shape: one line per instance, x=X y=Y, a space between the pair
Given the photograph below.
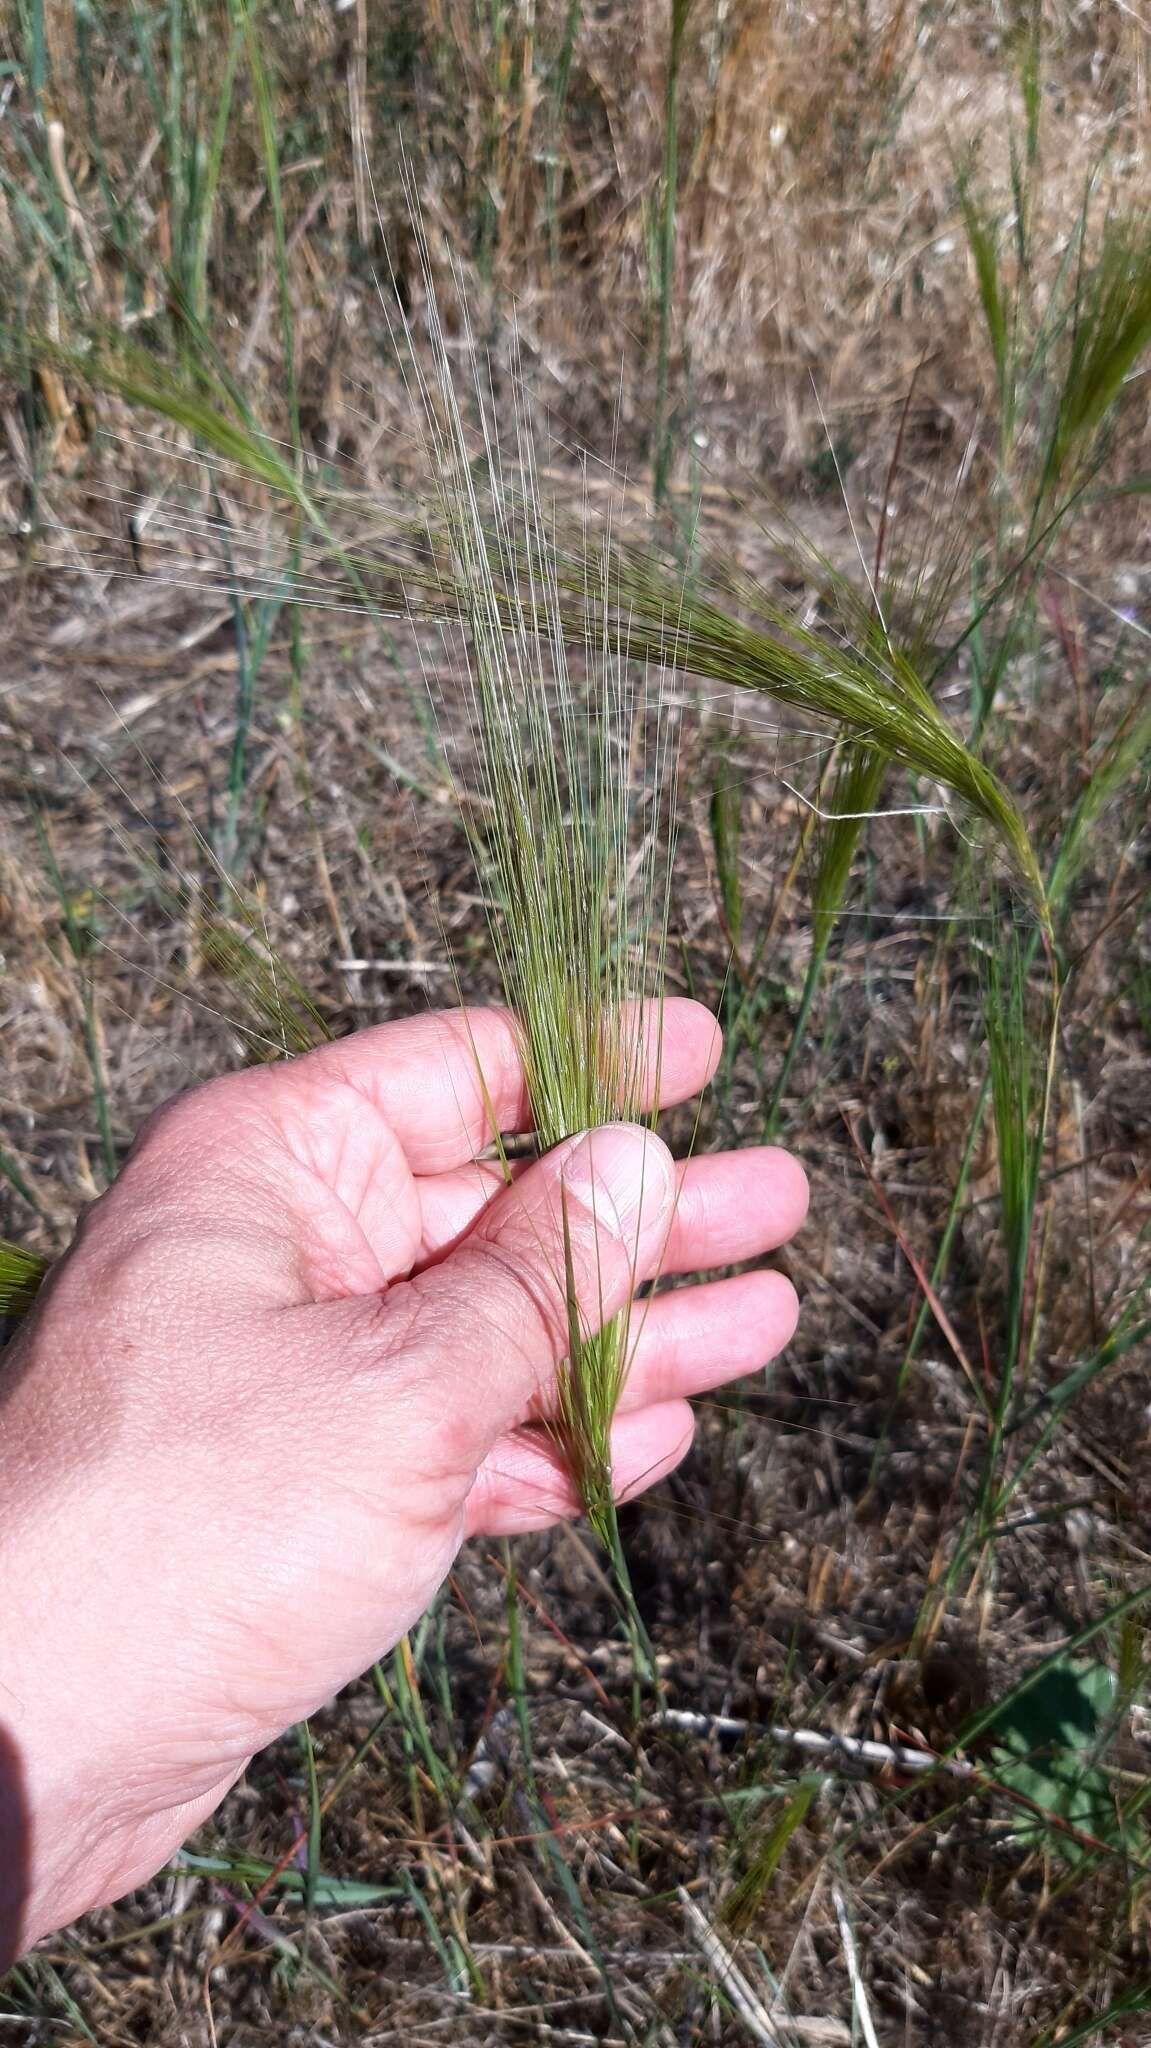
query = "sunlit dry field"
x=838 y=320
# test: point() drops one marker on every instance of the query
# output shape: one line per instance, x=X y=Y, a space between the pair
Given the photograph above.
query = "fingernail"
x=622 y=1174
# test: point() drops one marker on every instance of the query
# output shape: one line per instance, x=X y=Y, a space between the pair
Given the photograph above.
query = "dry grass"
x=524 y=1842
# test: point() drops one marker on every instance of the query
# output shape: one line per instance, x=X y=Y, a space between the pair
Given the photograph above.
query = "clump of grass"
x=277 y=1015
x=570 y=810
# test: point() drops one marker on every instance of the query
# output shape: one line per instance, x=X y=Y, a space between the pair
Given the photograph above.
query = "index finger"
x=451 y=1081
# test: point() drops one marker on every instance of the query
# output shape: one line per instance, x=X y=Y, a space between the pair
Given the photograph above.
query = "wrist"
x=83 y=1818
x=66 y=1783
x=96 y=1788
x=54 y=1847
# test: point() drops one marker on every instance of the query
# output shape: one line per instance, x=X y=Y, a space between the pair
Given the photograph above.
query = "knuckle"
x=172 y=1131
x=180 y=1141
x=161 y=1127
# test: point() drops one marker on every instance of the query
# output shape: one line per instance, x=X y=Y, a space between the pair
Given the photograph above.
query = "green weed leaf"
x=1047 y=1746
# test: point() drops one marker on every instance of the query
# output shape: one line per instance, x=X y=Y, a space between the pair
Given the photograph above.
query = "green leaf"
x=252 y=1870
x=725 y=817
x=858 y=785
x=1090 y=2029
x=981 y=240
x=1067 y=1708
x=1047 y=1740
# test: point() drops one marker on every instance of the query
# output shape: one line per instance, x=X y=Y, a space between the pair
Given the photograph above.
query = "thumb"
x=474 y=1341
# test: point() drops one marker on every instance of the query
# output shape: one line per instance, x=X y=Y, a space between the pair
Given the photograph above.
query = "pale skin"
x=297 y=1354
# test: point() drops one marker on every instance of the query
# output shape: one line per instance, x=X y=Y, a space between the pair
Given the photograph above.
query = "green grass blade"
x=982 y=242
x=744 y=1901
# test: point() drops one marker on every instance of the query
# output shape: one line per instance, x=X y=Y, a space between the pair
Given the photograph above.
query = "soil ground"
x=589 y=1890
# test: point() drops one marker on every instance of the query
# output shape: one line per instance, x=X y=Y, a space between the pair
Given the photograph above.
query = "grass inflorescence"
x=569 y=802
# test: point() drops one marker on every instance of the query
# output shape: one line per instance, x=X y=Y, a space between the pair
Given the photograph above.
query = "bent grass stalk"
x=604 y=592
x=868 y=688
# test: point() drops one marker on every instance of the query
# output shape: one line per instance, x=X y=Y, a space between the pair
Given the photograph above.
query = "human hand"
x=298 y=1352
